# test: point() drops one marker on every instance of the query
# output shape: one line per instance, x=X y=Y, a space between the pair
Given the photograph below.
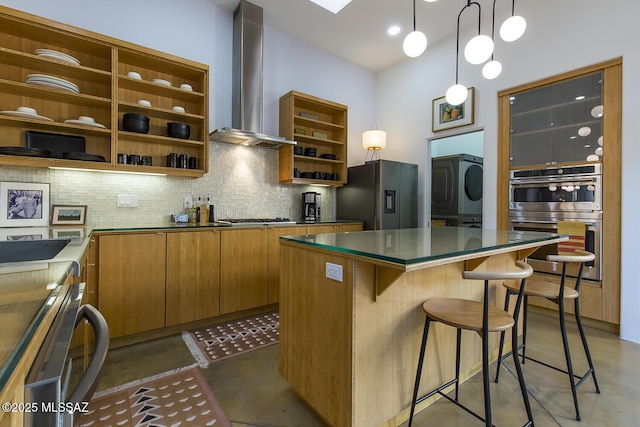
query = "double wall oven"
x=540 y=198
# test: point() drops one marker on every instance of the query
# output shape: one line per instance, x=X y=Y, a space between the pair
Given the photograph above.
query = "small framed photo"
x=75 y=234
x=24 y=204
x=447 y=116
x=68 y=215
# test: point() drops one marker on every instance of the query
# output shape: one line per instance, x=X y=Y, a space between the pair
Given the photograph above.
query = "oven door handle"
x=541 y=222
x=89 y=381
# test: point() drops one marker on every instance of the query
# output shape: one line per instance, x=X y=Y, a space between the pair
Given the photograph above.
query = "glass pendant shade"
x=597 y=111
x=456 y=94
x=374 y=140
x=491 y=70
x=513 y=28
x=479 y=49
x=414 y=44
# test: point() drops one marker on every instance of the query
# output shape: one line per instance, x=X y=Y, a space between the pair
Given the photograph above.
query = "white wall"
x=561 y=36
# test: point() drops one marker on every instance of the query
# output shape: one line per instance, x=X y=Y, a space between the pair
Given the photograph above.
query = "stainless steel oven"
x=49 y=385
x=548 y=222
x=540 y=198
x=569 y=189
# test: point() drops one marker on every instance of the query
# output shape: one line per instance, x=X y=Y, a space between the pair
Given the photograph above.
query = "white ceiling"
x=358 y=32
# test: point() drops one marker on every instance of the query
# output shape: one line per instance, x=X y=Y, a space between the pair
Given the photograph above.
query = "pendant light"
x=493 y=68
x=514 y=27
x=479 y=48
x=415 y=42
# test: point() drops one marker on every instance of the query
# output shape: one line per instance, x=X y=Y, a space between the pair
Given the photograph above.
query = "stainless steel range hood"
x=247 y=83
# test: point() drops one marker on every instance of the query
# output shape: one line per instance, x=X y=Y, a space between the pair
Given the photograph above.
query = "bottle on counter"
x=193 y=212
x=202 y=212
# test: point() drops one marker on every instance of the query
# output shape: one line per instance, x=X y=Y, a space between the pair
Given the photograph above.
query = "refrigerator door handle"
x=389 y=201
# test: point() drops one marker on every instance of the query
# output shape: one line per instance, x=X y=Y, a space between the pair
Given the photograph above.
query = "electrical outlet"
x=333 y=271
x=127 y=201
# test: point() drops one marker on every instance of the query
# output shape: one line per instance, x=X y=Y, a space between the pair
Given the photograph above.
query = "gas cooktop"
x=254 y=221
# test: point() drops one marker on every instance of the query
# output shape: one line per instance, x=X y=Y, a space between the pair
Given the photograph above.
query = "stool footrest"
x=581 y=378
x=439 y=391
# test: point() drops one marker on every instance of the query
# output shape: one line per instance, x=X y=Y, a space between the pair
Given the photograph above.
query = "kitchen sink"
x=30 y=250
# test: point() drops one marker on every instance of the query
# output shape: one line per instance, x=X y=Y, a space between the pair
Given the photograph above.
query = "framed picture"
x=24 y=204
x=75 y=234
x=68 y=215
x=447 y=116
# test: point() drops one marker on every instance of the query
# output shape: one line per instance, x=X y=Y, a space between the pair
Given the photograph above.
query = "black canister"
x=183 y=161
x=122 y=158
x=172 y=160
x=146 y=161
x=193 y=163
x=133 y=159
x=211 y=214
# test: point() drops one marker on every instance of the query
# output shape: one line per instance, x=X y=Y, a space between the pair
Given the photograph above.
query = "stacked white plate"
x=85 y=120
x=59 y=56
x=52 y=82
x=162 y=82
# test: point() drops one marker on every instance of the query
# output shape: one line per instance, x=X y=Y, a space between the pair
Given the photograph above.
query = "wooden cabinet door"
x=273 y=259
x=243 y=269
x=193 y=276
x=131 y=282
x=348 y=227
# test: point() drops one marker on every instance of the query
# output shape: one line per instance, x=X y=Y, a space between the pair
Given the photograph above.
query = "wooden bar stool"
x=556 y=293
x=480 y=317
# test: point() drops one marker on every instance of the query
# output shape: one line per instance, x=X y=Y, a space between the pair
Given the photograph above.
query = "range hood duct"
x=247 y=83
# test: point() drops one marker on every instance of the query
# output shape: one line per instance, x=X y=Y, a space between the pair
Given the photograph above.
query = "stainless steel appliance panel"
x=383 y=194
x=548 y=222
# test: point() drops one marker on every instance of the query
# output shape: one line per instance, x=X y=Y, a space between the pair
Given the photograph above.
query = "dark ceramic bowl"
x=133 y=122
x=298 y=150
x=178 y=130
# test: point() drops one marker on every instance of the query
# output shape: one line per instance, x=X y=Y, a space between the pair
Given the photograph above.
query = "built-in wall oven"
x=540 y=198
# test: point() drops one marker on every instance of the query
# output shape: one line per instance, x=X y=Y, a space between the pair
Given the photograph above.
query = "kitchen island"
x=349 y=344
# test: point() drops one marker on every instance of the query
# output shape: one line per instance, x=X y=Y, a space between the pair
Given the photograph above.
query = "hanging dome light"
x=599 y=151
x=491 y=70
x=513 y=28
x=456 y=94
x=600 y=141
x=478 y=49
x=592 y=158
x=414 y=44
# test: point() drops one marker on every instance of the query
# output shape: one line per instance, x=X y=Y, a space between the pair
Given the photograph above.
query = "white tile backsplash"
x=242 y=183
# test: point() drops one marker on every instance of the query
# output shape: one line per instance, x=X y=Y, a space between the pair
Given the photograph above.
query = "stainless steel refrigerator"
x=382 y=193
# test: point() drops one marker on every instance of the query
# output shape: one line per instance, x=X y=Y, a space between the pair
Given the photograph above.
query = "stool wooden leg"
x=423 y=348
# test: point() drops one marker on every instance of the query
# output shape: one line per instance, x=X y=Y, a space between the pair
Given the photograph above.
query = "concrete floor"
x=252 y=393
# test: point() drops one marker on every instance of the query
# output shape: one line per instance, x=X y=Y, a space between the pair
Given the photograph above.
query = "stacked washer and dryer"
x=456 y=190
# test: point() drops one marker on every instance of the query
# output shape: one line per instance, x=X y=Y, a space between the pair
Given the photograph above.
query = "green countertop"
x=26 y=292
x=416 y=246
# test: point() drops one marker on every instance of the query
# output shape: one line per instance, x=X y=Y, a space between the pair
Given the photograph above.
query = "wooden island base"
x=350 y=348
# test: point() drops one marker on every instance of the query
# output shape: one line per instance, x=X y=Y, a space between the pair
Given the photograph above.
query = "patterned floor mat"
x=219 y=342
x=175 y=398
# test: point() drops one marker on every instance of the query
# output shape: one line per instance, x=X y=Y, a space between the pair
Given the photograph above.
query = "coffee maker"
x=311 y=207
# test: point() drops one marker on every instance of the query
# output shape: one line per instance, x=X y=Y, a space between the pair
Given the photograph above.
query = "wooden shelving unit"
x=301 y=116
x=106 y=94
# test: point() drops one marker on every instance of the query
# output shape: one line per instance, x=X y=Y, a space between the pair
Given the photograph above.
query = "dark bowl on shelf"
x=137 y=123
x=178 y=130
x=329 y=156
x=308 y=175
x=310 y=151
x=298 y=150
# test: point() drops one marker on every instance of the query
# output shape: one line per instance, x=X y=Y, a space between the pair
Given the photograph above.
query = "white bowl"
x=86 y=119
x=162 y=82
x=178 y=109
x=134 y=75
x=28 y=110
x=186 y=86
x=144 y=102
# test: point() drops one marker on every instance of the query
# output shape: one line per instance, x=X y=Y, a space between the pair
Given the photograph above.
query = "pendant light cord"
x=414 y=15
x=469 y=3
